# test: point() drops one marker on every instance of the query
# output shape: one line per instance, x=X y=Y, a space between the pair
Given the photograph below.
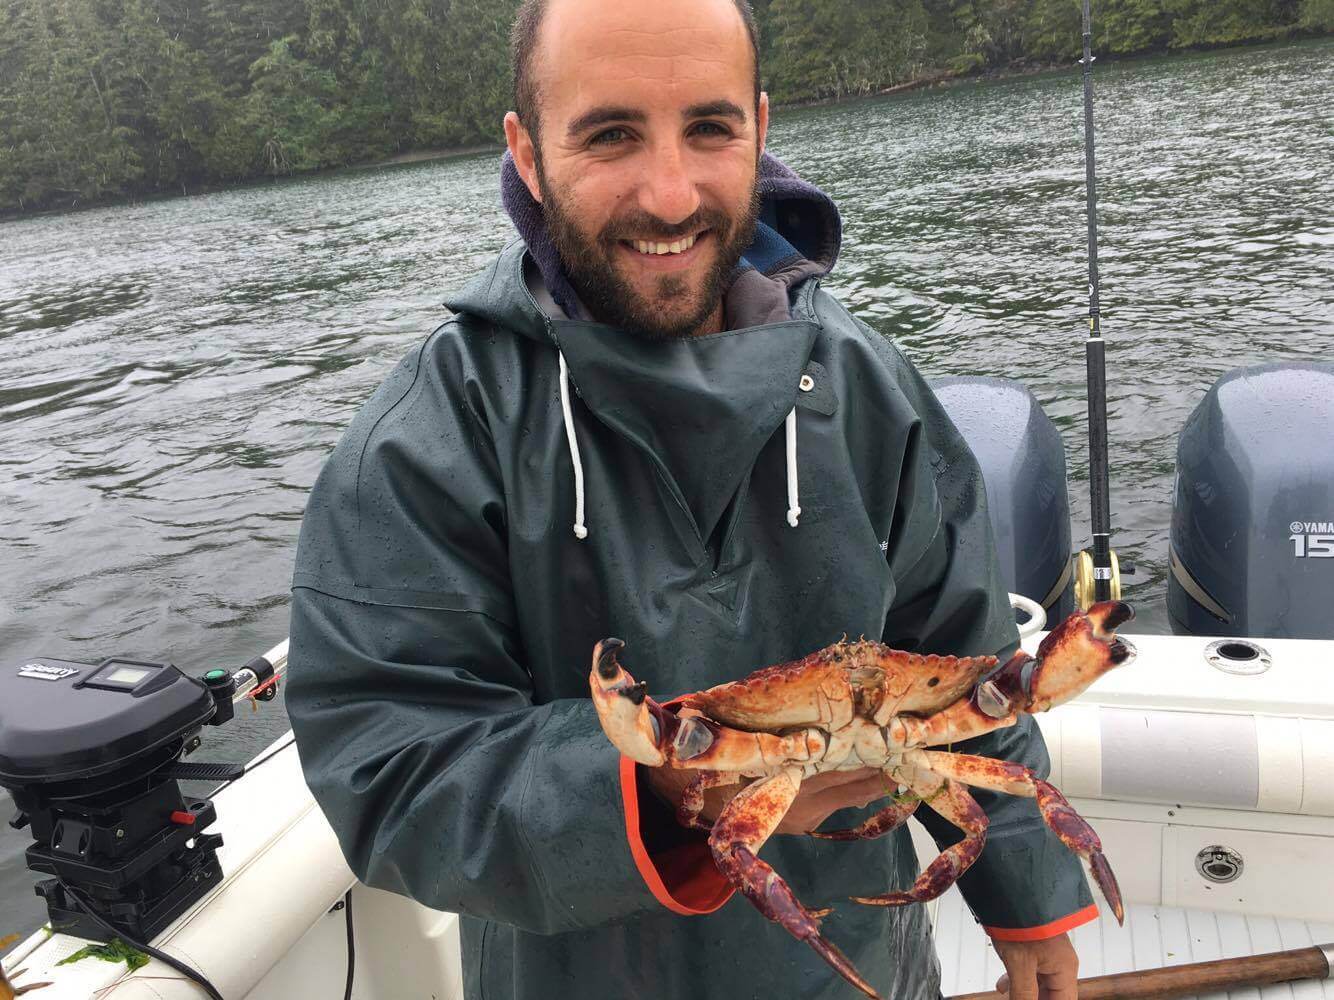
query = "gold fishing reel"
x=1084 y=589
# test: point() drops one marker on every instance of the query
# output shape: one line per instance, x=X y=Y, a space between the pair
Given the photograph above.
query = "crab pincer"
x=1072 y=656
x=624 y=707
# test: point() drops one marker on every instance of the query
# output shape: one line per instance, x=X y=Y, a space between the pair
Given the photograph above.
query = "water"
x=172 y=375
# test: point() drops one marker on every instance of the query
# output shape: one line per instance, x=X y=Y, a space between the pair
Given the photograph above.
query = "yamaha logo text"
x=1312 y=539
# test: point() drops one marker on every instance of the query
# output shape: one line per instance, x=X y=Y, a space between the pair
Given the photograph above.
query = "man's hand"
x=819 y=797
x=1039 y=970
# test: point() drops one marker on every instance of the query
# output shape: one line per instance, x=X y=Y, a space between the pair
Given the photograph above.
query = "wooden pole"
x=1202 y=977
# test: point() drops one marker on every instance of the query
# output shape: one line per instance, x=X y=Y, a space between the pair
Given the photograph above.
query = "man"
x=646 y=420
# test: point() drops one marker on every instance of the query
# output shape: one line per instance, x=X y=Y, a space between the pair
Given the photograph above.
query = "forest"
x=104 y=99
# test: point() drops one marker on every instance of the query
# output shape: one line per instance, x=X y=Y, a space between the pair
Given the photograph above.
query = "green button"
x=215 y=675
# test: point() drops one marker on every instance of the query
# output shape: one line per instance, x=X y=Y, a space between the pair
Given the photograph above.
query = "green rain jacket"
x=444 y=615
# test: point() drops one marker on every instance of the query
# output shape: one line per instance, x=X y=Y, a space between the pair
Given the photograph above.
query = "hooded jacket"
x=528 y=481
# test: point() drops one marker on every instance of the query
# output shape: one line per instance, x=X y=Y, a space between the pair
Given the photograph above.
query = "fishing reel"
x=92 y=756
x=1086 y=579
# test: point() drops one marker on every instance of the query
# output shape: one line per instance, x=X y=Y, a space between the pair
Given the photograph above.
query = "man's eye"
x=712 y=129
x=608 y=137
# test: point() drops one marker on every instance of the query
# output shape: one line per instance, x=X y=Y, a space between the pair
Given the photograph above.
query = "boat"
x=1212 y=790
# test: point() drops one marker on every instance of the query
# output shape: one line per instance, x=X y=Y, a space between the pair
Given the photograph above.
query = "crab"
x=857 y=705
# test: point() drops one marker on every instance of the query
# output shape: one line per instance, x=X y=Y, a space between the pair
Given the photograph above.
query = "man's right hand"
x=820 y=796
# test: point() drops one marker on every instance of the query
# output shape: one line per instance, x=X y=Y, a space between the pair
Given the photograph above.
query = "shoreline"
x=936 y=79
x=417 y=156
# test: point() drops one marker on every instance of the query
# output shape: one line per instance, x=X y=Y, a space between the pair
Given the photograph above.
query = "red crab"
x=856 y=705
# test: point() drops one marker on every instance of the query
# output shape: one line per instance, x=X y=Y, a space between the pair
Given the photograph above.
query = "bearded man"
x=645 y=419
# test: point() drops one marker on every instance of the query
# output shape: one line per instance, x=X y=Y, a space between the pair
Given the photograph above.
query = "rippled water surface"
x=172 y=375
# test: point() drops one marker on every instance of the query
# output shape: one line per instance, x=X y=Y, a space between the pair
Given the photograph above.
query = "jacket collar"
x=701 y=408
x=799 y=225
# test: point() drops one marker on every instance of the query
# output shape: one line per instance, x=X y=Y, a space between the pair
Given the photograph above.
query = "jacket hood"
x=671 y=399
x=798 y=236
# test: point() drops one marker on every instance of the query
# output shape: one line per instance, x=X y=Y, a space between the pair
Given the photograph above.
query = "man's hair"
x=523 y=42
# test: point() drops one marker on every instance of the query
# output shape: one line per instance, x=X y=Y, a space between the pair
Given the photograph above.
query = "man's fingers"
x=1063 y=984
x=1047 y=969
x=813 y=806
x=854 y=794
x=1070 y=992
x=837 y=779
x=1022 y=980
x=869 y=790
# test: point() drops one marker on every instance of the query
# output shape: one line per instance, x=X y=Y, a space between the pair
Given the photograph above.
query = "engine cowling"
x=1252 y=544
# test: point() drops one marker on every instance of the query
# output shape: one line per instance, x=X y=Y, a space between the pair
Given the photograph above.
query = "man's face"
x=649 y=151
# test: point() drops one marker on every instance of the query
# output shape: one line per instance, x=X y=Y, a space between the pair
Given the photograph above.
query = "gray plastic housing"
x=1022 y=458
x=61 y=720
x=1252 y=542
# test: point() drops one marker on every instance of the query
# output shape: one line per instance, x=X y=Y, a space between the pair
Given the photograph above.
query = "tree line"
x=108 y=98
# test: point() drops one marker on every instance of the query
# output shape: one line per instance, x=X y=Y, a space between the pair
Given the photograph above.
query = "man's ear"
x=525 y=155
x=762 y=120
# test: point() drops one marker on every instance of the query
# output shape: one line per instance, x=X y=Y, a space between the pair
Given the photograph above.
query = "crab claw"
x=623 y=706
x=1072 y=656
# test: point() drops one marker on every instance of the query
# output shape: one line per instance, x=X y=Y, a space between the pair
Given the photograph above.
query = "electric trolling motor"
x=92 y=754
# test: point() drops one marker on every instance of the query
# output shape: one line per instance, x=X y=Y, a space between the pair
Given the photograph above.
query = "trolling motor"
x=92 y=755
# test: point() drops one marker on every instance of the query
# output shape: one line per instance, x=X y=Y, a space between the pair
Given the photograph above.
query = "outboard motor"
x=92 y=755
x=1252 y=549
x=1023 y=463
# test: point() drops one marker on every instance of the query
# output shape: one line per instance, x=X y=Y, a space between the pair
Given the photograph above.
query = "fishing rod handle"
x=1202 y=977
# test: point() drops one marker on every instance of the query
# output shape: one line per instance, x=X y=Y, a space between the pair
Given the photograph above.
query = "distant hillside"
x=107 y=98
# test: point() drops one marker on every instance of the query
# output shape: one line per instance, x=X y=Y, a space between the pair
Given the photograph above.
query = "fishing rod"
x=1097 y=577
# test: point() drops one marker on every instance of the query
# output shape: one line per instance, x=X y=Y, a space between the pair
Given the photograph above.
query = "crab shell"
x=832 y=686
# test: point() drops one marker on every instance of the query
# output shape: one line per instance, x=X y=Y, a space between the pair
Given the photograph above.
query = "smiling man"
x=646 y=172
x=647 y=420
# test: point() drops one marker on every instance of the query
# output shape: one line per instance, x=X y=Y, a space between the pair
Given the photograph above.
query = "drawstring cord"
x=793 y=506
x=580 y=530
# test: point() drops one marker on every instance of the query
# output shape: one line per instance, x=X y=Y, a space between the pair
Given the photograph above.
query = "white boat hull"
x=272 y=931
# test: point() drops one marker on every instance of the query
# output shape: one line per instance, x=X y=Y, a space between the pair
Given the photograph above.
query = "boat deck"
x=1153 y=936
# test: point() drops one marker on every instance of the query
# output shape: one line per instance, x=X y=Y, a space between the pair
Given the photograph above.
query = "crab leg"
x=1076 y=653
x=741 y=830
x=961 y=721
x=692 y=796
x=952 y=801
x=652 y=735
x=887 y=819
x=1015 y=779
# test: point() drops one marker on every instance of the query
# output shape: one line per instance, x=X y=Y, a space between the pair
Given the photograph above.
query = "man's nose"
x=668 y=191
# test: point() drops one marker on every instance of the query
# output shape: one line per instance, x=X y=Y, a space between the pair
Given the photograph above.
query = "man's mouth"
x=665 y=248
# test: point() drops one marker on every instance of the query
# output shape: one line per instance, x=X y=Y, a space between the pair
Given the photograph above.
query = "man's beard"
x=590 y=265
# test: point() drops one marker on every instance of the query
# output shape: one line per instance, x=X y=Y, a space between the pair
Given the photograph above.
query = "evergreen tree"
x=105 y=98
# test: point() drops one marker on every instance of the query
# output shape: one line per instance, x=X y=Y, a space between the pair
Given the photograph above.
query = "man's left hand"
x=1039 y=970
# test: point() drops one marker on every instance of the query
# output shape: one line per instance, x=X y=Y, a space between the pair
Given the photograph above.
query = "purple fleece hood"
x=798 y=221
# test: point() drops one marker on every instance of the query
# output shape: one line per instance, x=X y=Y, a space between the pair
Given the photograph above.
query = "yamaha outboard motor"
x=1023 y=463
x=1253 y=512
